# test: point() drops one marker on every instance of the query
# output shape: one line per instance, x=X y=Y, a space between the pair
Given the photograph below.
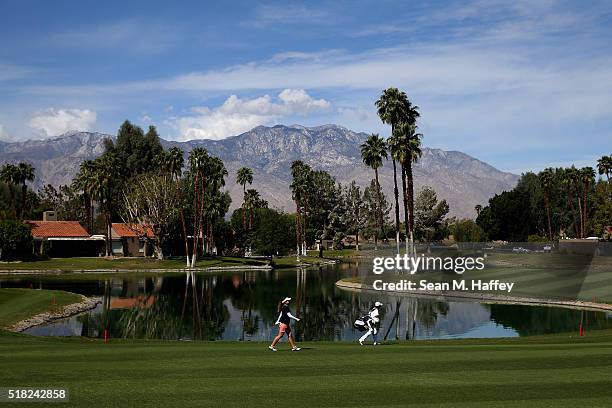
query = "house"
x=131 y=239
x=63 y=239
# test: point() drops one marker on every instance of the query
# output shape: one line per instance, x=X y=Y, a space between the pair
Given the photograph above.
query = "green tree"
x=355 y=211
x=9 y=175
x=373 y=150
x=429 y=215
x=17 y=176
x=136 y=151
x=16 y=240
x=272 y=232
x=376 y=210
x=467 y=231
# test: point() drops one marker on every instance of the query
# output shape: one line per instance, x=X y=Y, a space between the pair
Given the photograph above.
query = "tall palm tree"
x=298 y=186
x=9 y=175
x=568 y=177
x=410 y=142
x=198 y=168
x=171 y=162
x=393 y=107
x=587 y=176
x=373 y=150
x=85 y=182
x=244 y=177
x=251 y=199
x=546 y=179
x=25 y=173
x=103 y=189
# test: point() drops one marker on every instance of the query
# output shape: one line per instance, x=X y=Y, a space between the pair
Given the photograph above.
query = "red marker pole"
x=105 y=335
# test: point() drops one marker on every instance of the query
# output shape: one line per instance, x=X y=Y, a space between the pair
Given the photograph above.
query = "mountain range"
x=460 y=179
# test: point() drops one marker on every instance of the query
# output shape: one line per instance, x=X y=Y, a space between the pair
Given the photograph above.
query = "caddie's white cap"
x=286 y=299
x=378 y=304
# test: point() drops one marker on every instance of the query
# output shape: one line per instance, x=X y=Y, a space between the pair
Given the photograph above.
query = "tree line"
x=552 y=204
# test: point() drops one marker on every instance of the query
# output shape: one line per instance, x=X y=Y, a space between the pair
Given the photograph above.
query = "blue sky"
x=521 y=85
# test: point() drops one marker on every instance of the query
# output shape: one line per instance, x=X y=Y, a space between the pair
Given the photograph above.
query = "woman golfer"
x=372 y=321
x=284 y=318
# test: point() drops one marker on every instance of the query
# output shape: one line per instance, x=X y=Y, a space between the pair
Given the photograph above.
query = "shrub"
x=15 y=240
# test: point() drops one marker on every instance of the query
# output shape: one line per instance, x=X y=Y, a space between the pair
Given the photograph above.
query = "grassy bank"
x=20 y=304
x=547 y=371
x=73 y=264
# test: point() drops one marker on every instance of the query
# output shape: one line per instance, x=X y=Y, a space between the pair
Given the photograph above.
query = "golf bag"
x=361 y=324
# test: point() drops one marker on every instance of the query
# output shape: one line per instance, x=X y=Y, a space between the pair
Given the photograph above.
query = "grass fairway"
x=20 y=304
x=547 y=371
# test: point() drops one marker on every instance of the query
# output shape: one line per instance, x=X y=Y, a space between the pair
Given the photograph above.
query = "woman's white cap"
x=377 y=304
x=286 y=299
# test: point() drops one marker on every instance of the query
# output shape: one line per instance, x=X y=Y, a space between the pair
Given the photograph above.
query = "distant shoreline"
x=481 y=297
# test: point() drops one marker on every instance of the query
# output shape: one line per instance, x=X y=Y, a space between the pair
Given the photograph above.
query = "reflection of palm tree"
x=429 y=310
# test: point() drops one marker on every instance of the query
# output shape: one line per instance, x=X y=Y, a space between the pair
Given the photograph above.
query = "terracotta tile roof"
x=48 y=229
x=130 y=230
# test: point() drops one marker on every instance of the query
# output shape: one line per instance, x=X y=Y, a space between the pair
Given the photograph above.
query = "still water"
x=242 y=306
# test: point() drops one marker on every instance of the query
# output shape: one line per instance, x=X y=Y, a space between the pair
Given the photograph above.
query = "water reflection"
x=242 y=306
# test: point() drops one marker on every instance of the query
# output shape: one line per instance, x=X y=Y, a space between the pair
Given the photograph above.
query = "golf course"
x=544 y=371
x=558 y=370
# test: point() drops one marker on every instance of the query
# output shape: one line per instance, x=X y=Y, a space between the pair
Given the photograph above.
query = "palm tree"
x=217 y=173
x=604 y=166
x=298 y=186
x=244 y=176
x=373 y=150
x=546 y=179
x=568 y=177
x=25 y=173
x=171 y=162
x=198 y=168
x=410 y=142
x=393 y=107
x=251 y=199
x=9 y=175
x=103 y=189
x=85 y=181
x=587 y=175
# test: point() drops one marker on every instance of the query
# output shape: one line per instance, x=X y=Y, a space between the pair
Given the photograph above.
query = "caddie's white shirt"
x=374 y=315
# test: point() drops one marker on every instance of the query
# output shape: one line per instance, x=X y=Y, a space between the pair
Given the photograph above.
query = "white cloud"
x=146 y=118
x=238 y=115
x=52 y=122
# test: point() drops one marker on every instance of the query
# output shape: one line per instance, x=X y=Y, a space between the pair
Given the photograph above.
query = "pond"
x=242 y=306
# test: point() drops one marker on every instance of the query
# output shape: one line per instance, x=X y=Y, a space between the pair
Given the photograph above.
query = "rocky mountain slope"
x=462 y=180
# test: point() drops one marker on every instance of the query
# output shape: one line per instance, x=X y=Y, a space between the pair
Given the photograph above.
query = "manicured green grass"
x=71 y=264
x=20 y=304
x=547 y=371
